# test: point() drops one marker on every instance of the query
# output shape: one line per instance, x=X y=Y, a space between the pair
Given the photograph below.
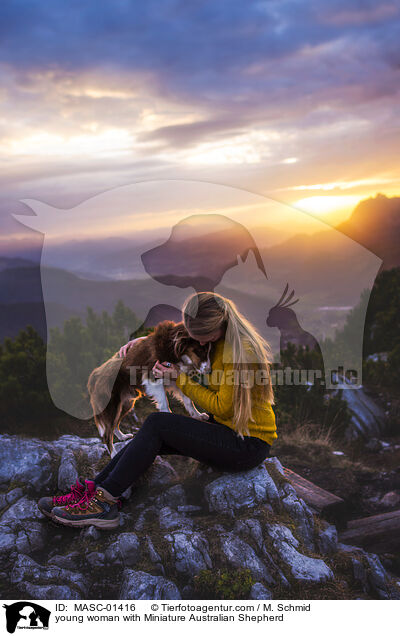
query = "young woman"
x=238 y=399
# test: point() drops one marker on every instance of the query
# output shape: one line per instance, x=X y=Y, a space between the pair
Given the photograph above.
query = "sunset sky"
x=294 y=100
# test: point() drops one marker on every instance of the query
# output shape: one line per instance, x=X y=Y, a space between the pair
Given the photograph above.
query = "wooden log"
x=324 y=502
x=378 y=533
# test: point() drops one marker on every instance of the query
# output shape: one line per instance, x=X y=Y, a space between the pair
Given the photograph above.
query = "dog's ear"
x=180 y=339
x=180 y=345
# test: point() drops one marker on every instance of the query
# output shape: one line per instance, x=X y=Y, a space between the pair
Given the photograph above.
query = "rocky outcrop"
x=181 y=521
x=141 y=585
x=368 y=419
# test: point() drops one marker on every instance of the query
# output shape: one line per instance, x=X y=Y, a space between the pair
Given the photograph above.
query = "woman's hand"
x=124 y=350
x=166 y=370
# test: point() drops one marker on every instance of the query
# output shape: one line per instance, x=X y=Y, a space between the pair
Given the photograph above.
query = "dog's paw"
x=204 y=417
x=123 y=436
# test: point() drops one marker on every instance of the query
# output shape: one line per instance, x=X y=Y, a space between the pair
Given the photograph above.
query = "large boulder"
x=303 y=568
x=240 y=555
x=242 y=490
x=171 y=520
x=125 y=550
x=190 y=551
x=28 y=576
x=143 y=586
x=26 y=462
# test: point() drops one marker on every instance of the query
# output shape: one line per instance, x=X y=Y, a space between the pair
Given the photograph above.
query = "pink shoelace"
x=84 y=501
x=86 y=498
x=76 y=493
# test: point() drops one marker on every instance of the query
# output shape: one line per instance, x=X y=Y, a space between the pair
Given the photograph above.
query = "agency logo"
x=26 y=615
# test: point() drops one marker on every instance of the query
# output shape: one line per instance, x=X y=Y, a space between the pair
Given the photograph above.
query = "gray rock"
x=303 y=568
x=68 y=562
x=142 y=586
x=49 y=592
x=328 y=540
x=125 y=519
x=259 y=592
x=91 y=533
x=173 y=497
x=91 y=448
x=368 y=419
x=125 y=550
x=95 y=559
x=250 y=528
x=189 y=508
x=377 y=576
x=239 y=554
x=160 y=473
x=68 y=471
x=359 y=573
x=171 y=520
x=391 y=498
x=217 y=527
x=7 y=542
x=153 y=554
x=74 y=442
x=30 y=538
x=26 y=570
x=142 y=518
x=10 y=497
x=300 y=512
x=14 y=495
x=26 y=461
x=286 y=489
x=24 y=531
x=24 y=510
x=279 y=533
x=93 y=453
x=245 y=489
x=190 y=551
x=344 y=547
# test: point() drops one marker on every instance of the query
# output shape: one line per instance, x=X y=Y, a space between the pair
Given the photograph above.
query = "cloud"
x=197 y=48
x=182 y=135
x=157 y=85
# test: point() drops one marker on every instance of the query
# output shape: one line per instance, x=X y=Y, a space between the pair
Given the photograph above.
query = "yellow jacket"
x=217 y=397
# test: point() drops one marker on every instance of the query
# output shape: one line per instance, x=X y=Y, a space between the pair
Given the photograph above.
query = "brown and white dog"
x=116 y=385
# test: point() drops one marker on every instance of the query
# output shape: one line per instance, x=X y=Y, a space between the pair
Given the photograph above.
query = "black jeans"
x=172 y=434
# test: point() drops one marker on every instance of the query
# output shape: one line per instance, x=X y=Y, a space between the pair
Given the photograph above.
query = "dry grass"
x=313 y=444
x=307 y=432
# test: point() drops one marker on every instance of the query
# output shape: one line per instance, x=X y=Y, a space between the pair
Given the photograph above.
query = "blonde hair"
x=206 y=312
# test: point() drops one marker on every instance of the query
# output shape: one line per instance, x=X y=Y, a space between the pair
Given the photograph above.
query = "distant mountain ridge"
x=375 y=223
x=7 y=262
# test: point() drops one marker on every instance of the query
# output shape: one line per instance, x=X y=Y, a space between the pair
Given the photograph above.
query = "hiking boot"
x=46 y=504
x=97 y=507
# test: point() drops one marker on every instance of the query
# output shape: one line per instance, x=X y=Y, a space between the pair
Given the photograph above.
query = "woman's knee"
x=153 y=420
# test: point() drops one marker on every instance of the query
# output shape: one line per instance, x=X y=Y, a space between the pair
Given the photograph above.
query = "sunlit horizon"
x=265 y=109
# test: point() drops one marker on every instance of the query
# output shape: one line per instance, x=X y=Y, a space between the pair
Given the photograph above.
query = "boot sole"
x=99 y=523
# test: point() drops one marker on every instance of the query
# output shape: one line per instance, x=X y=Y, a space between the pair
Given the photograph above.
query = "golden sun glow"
x=321 y=205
